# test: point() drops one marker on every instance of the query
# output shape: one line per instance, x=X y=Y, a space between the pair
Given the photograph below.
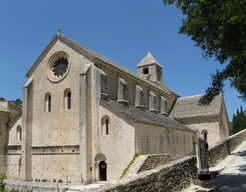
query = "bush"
x=2 y=177
x=54 y=180
x=60 y=181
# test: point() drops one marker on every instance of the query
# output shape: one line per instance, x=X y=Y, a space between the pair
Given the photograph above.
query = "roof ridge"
x=191 y=96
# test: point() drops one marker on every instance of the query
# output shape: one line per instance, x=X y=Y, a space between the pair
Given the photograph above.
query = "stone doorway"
x=103 y=171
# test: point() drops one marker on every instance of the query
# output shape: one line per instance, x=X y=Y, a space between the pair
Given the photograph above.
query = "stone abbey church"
x=85 y=117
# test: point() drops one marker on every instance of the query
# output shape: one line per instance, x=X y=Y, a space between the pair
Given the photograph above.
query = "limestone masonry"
x=85 y=117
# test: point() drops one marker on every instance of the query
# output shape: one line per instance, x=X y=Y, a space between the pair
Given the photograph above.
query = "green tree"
x=239 y=121
x=18 y=102
x=219 y=28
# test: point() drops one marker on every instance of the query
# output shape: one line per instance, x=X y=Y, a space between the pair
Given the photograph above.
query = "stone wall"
x=217 y=153
x=236 y=140
x=153 y=161
x=224 y=148
x=173 y=176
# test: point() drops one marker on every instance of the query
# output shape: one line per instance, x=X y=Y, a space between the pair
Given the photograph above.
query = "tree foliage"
x=239 y=121
x=219 y=28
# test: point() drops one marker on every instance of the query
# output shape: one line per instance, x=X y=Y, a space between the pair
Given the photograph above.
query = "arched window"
x=67 y=99
x=18 y=133
x=105 y=125
x=146 y=70
x=47 y=102
x=205 y=134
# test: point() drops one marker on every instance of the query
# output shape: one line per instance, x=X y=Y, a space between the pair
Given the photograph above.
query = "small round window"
x=58 y=66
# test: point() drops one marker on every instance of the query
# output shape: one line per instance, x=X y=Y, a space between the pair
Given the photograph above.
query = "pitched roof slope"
x=3 y=109
x=188 y=107
x=147 y=60
x=97 y=56
x=144 y=116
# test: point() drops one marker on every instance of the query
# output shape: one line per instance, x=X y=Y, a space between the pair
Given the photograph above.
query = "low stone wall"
x=217 y=153
x=236 y=140
x=153 y=161
x=220 y=150
x=173 y=176
x=35 y=187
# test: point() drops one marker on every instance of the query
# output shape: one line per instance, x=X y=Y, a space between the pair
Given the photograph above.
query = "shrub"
x=2 y=177
x=54 y=180
x=60 y=181
x=44 y=180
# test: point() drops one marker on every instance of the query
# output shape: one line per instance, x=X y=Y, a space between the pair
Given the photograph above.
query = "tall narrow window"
x=69 y=99
x=205 y=134
x=47 y=102
x=18 y=133
x=105 y=125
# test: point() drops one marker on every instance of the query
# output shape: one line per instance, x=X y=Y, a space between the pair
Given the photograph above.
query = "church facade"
x=84 y=117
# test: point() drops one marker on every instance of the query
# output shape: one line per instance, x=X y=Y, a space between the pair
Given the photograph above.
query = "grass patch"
x=132 y=161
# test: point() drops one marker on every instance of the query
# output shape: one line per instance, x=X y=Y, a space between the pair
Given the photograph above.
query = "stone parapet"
x=235 y=140
x=220 y=150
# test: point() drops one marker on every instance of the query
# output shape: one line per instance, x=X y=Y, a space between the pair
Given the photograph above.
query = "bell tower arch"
x=150 y=68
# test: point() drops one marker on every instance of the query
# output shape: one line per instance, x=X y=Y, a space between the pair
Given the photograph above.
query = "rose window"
x=60 y=67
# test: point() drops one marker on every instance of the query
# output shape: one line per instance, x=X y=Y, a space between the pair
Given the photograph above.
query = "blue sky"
x=122 y=31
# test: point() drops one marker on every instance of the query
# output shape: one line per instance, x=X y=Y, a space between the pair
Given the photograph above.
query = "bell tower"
x=150 y=68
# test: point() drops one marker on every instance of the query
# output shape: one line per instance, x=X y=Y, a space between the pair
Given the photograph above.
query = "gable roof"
x=95 y=55
x=3 y=109
x=147 y=60
x=144 y=116
x=188 y=107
